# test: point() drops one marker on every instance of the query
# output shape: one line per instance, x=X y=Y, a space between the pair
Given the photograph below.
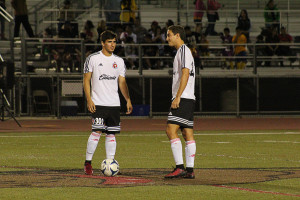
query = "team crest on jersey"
x=115 y=65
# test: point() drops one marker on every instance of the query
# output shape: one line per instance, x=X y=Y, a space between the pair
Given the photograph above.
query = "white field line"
x=151 y=134
x=204 y=142
x=278 y=141
x=248 y=158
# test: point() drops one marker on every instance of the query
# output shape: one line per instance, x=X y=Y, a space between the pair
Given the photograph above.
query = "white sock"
x=176 y=147
x=110 y=146
x=190 y=151
x=92 y=145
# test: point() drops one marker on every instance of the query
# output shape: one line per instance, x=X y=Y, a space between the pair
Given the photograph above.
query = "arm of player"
x=87 y=90
x=183 y=82
x=124 y=90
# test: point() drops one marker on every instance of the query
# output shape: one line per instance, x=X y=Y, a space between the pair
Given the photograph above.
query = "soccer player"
x=104 y=72
x=182 y=107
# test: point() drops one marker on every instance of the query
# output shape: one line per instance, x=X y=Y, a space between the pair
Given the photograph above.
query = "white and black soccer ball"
x=109 y=167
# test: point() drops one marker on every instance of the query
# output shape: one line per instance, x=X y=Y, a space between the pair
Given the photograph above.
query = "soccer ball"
x=109 y=167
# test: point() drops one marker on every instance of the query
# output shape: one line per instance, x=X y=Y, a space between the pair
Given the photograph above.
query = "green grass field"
x=263 y=151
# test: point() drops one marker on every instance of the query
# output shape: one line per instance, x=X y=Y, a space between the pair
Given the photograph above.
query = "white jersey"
x=104 y=82
x=184 y=59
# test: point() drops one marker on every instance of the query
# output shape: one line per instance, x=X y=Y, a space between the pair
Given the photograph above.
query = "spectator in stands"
x=285 y=50
x=228 y=51
x=212 y=16
x=128 y=33
x=21 y=17
x=128 y=37
x=168 y=51
x=260 y=49
x=245 y=24
x=204 y=45
x=168 y=24
x=130 y=53
x=191 y=42
x=203 y=49
x=46 y=48
x=240 y=41
x=149 y=51
x=128 y=9
x=119 y=50
x=67 y=31
x=272 y=15
x=65 y=15
x=90 y=36
x=139 y=30
x=2 y=21
x=190 y=37
x=63 y=54
x=159 y=38
x=112 y=12
x=198 y=33
x=89 y=32
x=100 y=28
x=271 y=49
x=152 y=30
x=198 y=14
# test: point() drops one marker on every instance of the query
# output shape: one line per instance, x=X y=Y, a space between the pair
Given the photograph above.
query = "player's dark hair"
x=107 y=35
x=178 y=29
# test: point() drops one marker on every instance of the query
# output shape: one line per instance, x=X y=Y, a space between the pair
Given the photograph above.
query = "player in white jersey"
x=183 y=104
x=104 y=73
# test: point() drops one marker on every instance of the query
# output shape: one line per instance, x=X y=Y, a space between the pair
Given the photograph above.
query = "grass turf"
x=152 y=150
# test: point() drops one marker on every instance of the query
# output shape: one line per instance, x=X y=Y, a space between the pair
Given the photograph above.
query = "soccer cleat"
x=88 y=169
x=189 y=175
x=177 y=173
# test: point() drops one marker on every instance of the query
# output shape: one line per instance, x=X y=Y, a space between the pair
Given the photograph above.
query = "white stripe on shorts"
x=114 y=128
x=181 y=120
x=98 y=127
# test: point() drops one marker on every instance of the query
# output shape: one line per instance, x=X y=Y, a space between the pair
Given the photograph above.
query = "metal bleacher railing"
x=212 y=69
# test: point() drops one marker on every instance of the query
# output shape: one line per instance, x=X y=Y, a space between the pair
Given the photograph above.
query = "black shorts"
x=106 y=119
x=184 y=115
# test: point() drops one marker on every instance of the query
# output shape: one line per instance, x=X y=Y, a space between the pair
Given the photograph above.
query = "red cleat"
x=88 y=169
x=177 y=173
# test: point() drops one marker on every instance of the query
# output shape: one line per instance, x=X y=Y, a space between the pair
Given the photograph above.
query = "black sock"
x=190 y=169
x=180 y=166
x=88 y=161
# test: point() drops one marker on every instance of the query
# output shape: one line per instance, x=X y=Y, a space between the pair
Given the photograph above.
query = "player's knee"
x=110 y=138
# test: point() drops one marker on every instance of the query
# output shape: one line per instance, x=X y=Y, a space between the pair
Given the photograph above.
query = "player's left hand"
x=129 y=107
x=175 y=103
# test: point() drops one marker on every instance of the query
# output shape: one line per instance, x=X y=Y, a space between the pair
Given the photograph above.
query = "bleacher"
x=150 y=10
x=34 y=71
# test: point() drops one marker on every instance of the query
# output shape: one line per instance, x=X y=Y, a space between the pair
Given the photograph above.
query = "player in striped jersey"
x=104 y=73
x=182 y=107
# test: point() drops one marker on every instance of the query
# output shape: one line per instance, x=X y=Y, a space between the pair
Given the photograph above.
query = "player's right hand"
x=175 y=103
x=91 y=106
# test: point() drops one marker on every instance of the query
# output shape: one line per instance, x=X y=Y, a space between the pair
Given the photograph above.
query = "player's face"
x=109 y=45
x=171 y=38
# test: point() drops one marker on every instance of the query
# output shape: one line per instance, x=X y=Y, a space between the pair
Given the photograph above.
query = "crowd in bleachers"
x=130 y=31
